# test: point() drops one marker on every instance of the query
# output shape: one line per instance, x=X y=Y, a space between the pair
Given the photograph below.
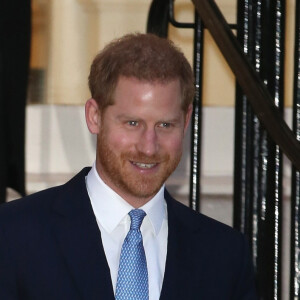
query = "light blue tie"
x=132 y=282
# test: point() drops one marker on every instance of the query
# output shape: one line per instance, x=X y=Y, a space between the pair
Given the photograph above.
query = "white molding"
x=102 y=4
x=58 y=145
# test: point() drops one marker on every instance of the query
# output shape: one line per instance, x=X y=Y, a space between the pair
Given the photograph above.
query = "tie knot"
x=136 y=216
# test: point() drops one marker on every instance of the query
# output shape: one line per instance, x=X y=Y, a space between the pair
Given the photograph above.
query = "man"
x=67 y=242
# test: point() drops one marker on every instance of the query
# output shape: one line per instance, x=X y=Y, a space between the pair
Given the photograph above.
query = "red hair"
x=146 y=57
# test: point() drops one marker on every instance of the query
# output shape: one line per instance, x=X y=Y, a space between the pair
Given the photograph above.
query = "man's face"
x=140 y=138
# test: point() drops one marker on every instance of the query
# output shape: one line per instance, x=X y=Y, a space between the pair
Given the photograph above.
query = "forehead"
x=133 y=87
x=134 y=94
x=142 y=99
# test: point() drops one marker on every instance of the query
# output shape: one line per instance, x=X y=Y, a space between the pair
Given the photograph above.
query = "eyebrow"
x=131 y=117
x=174 y=120
x=127 y=117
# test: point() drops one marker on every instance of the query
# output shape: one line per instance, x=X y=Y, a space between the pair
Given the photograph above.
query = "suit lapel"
x=79 y=240
x=182 y=278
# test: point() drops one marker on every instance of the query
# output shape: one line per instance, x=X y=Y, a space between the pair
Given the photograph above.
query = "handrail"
x=158 y=18
x=257 y=93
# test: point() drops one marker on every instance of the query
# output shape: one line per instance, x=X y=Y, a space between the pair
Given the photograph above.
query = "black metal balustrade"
x=258 y=160
x=295 y=203
x=256 y=57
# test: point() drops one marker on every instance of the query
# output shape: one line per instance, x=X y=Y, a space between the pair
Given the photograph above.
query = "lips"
x=144 y=165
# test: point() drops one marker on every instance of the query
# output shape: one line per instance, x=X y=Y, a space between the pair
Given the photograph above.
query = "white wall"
x=58 y=144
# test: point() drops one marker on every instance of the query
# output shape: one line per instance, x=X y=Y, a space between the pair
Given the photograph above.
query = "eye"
x=165 y=125
x=132 y=123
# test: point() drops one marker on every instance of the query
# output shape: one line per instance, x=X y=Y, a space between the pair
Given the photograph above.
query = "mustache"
x=142 y=157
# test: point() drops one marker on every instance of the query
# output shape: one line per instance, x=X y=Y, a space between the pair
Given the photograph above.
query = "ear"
x=92 y=116
x=188 y=116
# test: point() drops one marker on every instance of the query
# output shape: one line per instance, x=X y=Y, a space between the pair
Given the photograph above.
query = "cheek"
x=173 y=145
x=121 y=141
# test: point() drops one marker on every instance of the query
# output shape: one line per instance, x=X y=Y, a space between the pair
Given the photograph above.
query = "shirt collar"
x=110 y=208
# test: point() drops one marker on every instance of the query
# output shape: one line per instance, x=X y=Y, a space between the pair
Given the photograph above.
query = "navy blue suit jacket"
x=50 y=248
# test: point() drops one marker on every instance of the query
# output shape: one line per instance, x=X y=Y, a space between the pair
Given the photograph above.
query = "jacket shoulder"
x=37 y=205
x=198 y=224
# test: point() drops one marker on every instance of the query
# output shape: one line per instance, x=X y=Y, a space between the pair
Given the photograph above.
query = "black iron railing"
x=258 y=163
x=295 y=205
x=256 y=57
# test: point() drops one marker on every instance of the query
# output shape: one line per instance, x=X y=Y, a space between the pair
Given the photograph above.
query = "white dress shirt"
x=111 y=212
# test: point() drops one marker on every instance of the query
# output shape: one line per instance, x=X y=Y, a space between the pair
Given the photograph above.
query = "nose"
x=148 y=142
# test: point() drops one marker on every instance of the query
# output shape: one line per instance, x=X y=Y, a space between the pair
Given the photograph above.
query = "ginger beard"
x=121 y=174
